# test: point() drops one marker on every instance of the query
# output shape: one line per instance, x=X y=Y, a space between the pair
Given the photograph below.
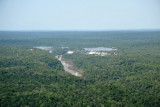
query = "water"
x=99 y=49
x=46 y=48
x=66 y=67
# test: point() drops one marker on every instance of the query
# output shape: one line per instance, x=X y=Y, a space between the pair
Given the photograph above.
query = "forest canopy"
x=34 y=77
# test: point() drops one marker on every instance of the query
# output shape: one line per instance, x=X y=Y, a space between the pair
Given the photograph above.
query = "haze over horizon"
x=68 y=15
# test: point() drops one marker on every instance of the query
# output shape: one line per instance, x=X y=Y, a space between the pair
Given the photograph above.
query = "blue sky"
x=79 y=14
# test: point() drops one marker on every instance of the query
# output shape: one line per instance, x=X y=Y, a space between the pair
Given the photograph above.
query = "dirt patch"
x=75 y=69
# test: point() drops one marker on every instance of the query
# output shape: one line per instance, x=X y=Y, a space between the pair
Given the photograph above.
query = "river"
x=67 y=67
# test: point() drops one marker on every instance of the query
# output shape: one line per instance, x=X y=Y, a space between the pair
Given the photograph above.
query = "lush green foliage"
x=36 y=78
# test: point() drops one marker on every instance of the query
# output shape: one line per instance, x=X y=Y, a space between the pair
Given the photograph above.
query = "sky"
x=17 y=15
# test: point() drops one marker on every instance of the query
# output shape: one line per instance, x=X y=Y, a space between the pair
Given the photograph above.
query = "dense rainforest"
x=33 y=77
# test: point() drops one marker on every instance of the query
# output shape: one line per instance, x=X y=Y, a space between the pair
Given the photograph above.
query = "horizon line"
x=79 y=30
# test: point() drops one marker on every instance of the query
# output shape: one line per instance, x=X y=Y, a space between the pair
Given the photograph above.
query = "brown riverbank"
x=71 y=65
